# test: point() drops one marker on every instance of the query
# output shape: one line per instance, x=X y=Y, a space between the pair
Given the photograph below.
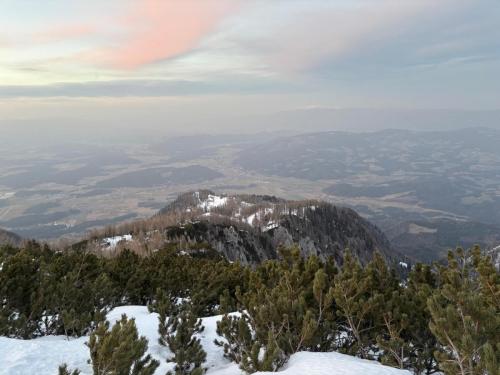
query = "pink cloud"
x=156 y=30
x=64 y=32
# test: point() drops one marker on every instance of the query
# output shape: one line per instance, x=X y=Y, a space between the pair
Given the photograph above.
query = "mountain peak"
x=251 y=228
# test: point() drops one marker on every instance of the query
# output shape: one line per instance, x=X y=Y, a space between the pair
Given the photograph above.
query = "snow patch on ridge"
x=7 y=195
x=270 y=225
x=251 y=219
x=211 y=202
x=112 y=242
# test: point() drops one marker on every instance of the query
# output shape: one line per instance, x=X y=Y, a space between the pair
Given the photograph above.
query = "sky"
x=169 y=63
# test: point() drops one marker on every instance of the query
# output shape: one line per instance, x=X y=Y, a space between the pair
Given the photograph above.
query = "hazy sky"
x=168 y=61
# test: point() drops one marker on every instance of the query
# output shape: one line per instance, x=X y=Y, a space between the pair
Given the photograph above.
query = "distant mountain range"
x=428 y=191
x=444 y=182
x=428 y=240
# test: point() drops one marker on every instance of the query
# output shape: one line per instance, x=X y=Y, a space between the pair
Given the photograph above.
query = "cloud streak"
x=139 y=88
x=157 y=30
x=307 y=37
x=353 y=51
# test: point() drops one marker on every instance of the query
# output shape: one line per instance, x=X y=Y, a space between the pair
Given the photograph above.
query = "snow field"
x=43 y=355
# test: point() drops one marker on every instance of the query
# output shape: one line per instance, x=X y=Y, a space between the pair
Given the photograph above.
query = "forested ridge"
x=250 y=228
x=441 y=317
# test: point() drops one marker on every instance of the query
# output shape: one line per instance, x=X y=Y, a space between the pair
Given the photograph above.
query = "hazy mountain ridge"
x=428 y=240
x=9 y=238
x=428 y=178
x=444 y=180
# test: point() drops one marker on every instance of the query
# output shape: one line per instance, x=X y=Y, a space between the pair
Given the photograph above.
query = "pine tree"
x=225 y=303
x=287 y=308
x=396 y=319
x=165 y=306
x=238 y=338
x=18 y=283
x=63 y=370
x=122 y=271
x=464 y=319
x=489 y=279
x=354 y=304
x=423 y=344
x=242 y=346
x=120 y=351
x=179 y=332
x=73 y=294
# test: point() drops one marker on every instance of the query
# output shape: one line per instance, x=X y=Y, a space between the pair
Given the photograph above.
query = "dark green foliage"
x=241 y=346
x=382 y=316
x=465 y=315
x=227 y=304
x=120 y=351
x=18 y=281
x=74 y=290
x=220 y=279
x=201 y=279
x=63 y=370
x=358 y=300
x=440 y=316
x=34 y=292
x=287 y=308
x=69 y=293
x=52 y=293
x=178 y=332
x=125 y=273
x=421 y=282
x=396 y=320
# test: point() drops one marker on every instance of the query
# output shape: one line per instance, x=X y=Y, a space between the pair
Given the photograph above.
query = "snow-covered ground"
x=212 y=201
x=495 y=255
x=111 y=242
x=334 y=364
x=270 y=225
x=43 y=355
x=262 y=217
x=7 y=195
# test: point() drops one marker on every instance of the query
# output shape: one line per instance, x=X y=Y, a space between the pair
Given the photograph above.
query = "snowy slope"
x=211 y=202
x=112 y=242
x=43 y=355
x=334 y=364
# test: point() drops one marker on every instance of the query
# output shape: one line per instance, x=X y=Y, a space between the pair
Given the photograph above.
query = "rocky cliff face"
x=250 y=229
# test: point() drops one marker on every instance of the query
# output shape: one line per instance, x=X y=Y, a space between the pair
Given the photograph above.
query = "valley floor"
x=43 y=355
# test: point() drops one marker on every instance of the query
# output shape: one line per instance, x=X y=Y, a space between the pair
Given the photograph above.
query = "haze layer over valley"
x=427 y=190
